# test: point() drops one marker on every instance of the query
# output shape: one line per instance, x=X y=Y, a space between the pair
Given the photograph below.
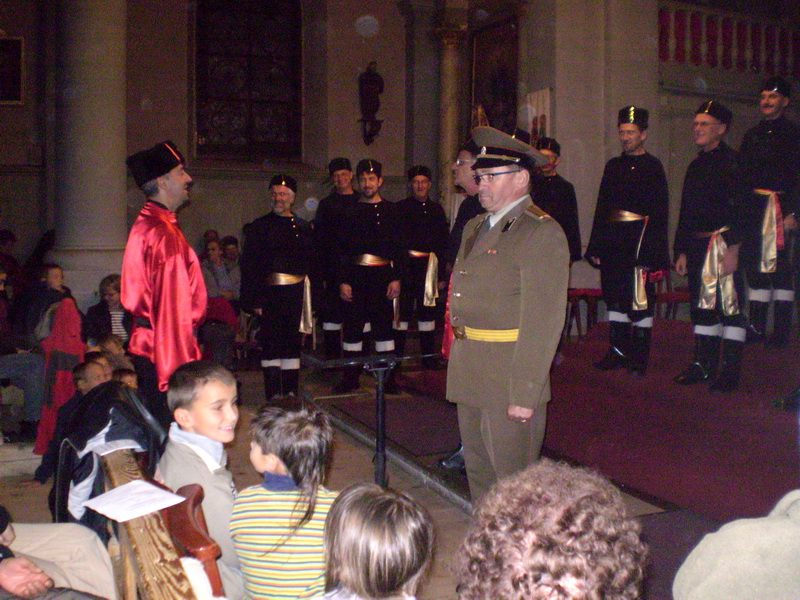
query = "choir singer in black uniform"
x=770 y=172
x=706 y=248
x=276 y=259
x=424 y=232
x=629 y=241
x=556 y=196
x=371 y=262
x=327 y=229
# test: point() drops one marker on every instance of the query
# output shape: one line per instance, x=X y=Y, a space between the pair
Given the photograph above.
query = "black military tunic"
x=470 y=207
x=769 y=160
x=637 y=184
x=710 y=202
x=370 y=233
x=556 y=196
x=423 y=230
x=327 y=224
x=276 y=244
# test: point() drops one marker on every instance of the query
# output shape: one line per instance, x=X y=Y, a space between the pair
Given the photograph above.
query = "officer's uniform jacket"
x=513 y=277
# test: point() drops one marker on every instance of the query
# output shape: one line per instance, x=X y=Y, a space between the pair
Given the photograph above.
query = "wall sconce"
x=370 y=86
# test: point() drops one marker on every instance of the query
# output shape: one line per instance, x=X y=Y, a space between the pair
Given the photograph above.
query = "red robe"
x=162 y=283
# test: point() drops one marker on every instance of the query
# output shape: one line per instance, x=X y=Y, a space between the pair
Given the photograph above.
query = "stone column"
x=448 y=111
x=90 y=142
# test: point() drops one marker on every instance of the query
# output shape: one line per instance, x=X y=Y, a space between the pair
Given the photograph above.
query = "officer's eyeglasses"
x=489 y=177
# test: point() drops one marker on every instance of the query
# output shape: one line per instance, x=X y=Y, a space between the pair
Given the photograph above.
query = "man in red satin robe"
x=162 y=283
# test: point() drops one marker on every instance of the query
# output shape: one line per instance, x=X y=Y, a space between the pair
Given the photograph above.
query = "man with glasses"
x=629 y=241
x=507 y=302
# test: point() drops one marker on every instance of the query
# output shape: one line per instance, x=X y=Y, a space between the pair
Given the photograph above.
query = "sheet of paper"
x=134 y=499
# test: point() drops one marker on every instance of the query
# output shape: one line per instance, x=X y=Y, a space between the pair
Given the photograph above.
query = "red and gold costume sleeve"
x=162 y=284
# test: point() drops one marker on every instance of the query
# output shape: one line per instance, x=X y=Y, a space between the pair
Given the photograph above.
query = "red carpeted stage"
x=724 y=456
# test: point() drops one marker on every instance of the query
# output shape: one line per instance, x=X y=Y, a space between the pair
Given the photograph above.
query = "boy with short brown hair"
x=203 y=399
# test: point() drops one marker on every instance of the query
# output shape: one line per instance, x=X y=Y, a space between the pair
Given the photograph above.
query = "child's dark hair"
x=79 y=371
x=120 y=374
x=188 y=379
x=110 y=338
x=302 y=439
x=94 y=355
x=378 y=542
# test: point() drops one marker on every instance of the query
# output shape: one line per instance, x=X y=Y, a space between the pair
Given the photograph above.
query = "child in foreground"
x=378 y=544
x=203 y=399
x=277 y=527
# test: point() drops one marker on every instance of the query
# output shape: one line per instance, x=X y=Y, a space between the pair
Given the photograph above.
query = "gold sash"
x=371 y=260
x=284 y=279
x=771 y=231
x=431 y=276
x=712 y=277
x=307 y=316
x=486 y=335
x=639 y=273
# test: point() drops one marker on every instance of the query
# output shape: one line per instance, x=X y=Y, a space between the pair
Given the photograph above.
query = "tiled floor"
x=352 y=462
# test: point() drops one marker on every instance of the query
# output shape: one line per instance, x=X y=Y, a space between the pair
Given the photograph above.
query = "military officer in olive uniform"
x=629 y=241
x=276 y=259
x=507 y=306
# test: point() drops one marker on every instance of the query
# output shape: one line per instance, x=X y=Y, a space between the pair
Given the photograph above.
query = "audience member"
x=25 y=370
x=551 y=532
x=378 y=544
x=202 y=398
x=277 y=527
x=59 y=329
x=218 y=332
x=86 y=376
x=35 y=557
x=230 y=250
x=9 y=264
x=108 y=316
x=126 y=376
x=746 y=559
x=114 y=350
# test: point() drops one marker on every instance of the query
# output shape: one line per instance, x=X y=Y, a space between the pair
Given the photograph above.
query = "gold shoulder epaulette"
x=537 y=213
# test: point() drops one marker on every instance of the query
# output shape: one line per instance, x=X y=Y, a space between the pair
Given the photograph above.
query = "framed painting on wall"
x=495 y=56
x=11 y=54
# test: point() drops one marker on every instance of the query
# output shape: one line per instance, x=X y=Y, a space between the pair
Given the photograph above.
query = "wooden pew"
x=145 y=543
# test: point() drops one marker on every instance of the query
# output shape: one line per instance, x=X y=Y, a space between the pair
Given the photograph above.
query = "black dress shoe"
x=694 y=373
x=454 y=462
x=614 y=359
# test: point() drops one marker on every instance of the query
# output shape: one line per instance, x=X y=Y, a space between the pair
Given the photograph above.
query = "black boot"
x=789 y=402
x=272 y=382
x=290 y=381
x=728 y=378
x=757 y=328
x=427 y=346
x=350 y=376
x=332 y=341
x=704 y=366
x=617 y=355
x=781 y=324
x=640 y=350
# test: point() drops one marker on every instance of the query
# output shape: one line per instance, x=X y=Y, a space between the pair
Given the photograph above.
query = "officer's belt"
x=712 y=277
x=486 y=335
x=371 y=260
x=772 y=237
x=284 y=279
x=639 y=273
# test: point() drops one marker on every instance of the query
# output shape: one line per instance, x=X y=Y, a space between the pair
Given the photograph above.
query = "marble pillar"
x=90 y=142
x=448 y=112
